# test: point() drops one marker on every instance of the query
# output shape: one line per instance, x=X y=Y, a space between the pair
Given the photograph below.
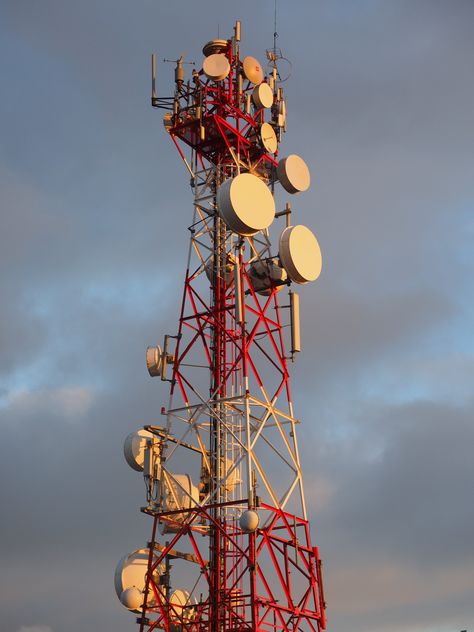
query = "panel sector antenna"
x=230 y=545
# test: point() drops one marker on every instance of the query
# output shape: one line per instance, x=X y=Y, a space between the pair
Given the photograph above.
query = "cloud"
x=94 y=242
x=69 y=402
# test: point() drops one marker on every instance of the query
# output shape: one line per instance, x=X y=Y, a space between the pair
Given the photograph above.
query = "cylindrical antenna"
x=238 y=294
x=153 y=78
x=179 y=72
x=237 y=31
x=295 y=323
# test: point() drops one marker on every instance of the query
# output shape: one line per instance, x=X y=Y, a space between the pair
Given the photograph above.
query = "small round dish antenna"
x=293 y=174
x=134 y=448
x=268 y=138
x=266 y=275
x=154 y=360
x=227 y=274
x=130 y=579
x=182 y=606
x=262 y=96
x=300 y=254
x=246 y=204
x=214 y=46
x=253 y=70
x=168 y=121
x=216 y=67
x=181 y=494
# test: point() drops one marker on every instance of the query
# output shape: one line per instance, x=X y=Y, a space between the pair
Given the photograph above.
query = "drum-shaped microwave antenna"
x=268 y=138
x=262 y=96
x=154 y=360
x=182 y=606
x=180 y=494
x=134 y=448
x=168 y=121
x=266 y=275
x=216 y=67
x=293 y=174
x=227 y=274
x=253 y=70
x=214 y=46
x=300 y=254
x=130 y=573
x=246 y=204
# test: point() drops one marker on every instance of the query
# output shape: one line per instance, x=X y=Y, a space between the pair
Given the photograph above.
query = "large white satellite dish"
x=134 y=448
x=300 y=254
x=293 y=174
x=253 y=70
x=130 y=574
x=246 y=204
x=216 y=67
x=262 y=96
x=268 y=138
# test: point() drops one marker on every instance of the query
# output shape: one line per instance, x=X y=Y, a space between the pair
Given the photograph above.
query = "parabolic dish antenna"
x=154 y=360
x=300 y=254
x=262 y=96
x=130 y=573
x=180 y=602
x=253 y=70
x=180 y=494
x=216 y=67
x=246 y=204
x=134 y=448
x=268 y=138
x=293 y=174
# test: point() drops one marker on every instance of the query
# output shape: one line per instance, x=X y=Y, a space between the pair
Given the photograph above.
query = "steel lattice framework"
x=229 y=421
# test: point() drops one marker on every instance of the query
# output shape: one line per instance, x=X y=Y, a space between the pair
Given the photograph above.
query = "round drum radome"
x=246 y=204
x=216 y=67
x=300 y=254
x=214 y=46
x=134 y=448
x=293 y=174
x=180 y=495
x=253 y=70
x=154 y=360
x=268 y=138
x=182 y=606
x=262 y=96
x=131 y=571
x=267 y=275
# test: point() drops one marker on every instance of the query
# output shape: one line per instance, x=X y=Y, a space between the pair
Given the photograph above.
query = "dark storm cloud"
x=94 y=207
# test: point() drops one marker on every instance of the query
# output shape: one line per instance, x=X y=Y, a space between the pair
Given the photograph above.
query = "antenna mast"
x=230 y=545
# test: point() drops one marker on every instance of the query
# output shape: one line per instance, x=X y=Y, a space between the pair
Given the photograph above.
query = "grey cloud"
x=96 y=200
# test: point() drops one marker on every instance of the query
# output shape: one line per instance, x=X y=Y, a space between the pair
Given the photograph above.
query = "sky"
x=94 y=208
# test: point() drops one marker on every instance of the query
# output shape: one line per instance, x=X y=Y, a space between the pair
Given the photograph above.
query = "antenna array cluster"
x=222 y=472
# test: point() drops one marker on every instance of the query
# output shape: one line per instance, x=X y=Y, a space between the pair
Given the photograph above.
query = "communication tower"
x=224 y=486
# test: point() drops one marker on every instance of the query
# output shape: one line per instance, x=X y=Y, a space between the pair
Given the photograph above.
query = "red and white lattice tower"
x=224 y=486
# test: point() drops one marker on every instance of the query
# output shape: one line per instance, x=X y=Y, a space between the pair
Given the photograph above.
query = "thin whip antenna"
x=275 y=34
